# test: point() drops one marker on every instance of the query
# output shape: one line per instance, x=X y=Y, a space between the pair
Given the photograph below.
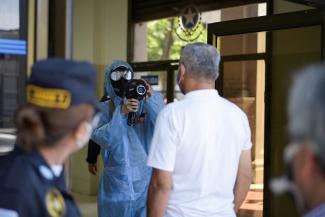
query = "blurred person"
x=57 y=122
x=305 y=155
x=201 y=148
x=124 y=148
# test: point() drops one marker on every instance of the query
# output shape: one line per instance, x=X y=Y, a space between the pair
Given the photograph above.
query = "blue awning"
x=13 y=46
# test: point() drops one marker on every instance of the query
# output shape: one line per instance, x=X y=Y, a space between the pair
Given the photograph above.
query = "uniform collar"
x=36 y=165
x=41 y=165
x=43 y=168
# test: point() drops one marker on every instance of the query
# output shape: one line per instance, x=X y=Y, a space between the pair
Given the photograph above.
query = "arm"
x=162 y=158
x=114 y=124
x=159 y=190
x=111 y=126
x=244 y=178
x=93 y=152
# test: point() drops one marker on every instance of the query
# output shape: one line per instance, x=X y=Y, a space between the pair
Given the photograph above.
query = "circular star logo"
x=190 y=17
x=190 y=26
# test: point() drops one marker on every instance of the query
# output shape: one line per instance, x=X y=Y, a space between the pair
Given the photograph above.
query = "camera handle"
x=132 y=118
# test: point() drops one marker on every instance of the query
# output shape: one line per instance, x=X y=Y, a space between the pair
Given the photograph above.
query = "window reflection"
x=9 y=22
x=12 y=58
x=9 y=90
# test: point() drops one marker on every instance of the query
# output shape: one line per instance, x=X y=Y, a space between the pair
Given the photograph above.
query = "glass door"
x=259 y=56
x=242 y=82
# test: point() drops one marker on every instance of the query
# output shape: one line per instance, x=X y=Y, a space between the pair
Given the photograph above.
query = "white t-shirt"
x=200 y=139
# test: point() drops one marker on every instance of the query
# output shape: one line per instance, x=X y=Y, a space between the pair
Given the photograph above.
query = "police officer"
x=57 y=121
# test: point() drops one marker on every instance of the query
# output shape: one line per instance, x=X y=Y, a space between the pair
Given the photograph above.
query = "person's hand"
x=92 y=168
x=130 y=105
x=149 y=88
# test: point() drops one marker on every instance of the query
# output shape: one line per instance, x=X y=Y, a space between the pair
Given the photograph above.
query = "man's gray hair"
x=201 y=61
x=306 y=109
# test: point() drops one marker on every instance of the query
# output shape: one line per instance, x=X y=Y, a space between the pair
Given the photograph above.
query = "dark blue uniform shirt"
x=29 y=187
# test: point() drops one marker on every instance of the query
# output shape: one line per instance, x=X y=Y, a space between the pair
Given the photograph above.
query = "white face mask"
x=284 y=185
x=84 y=140
x=89 y=129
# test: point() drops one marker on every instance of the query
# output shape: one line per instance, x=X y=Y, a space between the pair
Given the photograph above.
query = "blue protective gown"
x=125 y=179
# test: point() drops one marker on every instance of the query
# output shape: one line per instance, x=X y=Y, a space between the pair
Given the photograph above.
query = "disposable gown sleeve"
x=154 y=105
x=111 y=127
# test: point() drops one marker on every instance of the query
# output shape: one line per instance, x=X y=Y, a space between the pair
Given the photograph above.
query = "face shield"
x=121 y=73
x=119 y=79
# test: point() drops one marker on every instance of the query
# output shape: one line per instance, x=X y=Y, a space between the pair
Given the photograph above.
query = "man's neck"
x=193 y=85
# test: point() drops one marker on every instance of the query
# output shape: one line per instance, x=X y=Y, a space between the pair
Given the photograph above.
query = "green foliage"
x=155 y=37
x=158 y=31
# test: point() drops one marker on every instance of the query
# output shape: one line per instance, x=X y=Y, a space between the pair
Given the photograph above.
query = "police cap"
x=59 y=84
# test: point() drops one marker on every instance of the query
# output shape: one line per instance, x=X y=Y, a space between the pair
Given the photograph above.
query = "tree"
x=163 y=43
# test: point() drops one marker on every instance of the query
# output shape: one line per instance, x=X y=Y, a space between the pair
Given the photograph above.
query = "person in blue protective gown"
x=125 y=179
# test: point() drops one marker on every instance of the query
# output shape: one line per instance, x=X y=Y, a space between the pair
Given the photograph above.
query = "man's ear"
x=182 y=71
x=309 y=163
x=315 y=162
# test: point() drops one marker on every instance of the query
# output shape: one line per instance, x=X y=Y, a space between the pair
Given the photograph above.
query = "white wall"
x=110 y=30
x=99 y=36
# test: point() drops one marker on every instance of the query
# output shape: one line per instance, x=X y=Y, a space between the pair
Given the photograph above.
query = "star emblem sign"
x=190 y=26
x=190 y=17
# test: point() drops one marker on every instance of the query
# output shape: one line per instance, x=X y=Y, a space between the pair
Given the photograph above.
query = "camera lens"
x=141 y=90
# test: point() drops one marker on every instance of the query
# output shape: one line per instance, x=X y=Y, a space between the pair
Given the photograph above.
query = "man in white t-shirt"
x=201 y=146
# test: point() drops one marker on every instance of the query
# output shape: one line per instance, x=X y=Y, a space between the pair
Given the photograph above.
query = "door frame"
x=269 y=23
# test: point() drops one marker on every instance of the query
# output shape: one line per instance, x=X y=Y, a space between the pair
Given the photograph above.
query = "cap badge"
x=48 y=97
